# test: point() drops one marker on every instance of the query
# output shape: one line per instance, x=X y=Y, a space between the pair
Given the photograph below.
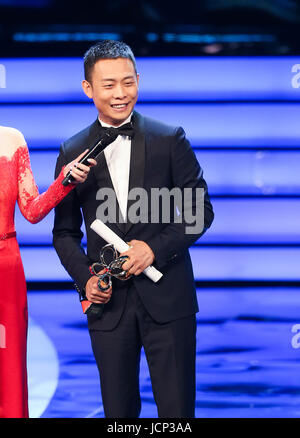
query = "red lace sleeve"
x=34 y=206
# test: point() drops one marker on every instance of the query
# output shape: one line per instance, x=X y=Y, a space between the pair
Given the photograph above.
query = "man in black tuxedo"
x=137 y=312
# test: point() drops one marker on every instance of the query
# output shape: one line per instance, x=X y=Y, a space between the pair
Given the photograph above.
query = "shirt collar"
x=106 y=125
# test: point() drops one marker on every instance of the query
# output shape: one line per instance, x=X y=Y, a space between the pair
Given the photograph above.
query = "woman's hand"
x=78 y=170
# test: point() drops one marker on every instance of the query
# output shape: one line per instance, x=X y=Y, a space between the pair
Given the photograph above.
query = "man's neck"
x=107 y=125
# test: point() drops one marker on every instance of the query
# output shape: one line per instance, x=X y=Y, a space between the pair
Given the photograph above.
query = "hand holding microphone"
x=77 y=170
x=108 y=136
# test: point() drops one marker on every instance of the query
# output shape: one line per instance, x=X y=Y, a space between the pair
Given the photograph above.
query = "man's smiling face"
x=113 y=86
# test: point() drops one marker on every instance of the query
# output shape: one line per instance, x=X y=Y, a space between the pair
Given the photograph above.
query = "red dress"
x=17 y=185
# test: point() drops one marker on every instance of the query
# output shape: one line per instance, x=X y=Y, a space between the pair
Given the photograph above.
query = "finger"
x=104 y=296
x=102 y=271
x=127 y=265
x=108 y=293
x=71 y=164
x=103 y=301
x=82 y=167
x=138 y=271
x=134 y=269
x=68 y=168
x=96 y=301
x=77 y=169
x=101 y=296
x=102 y=293
x=81 y=155
x=100 y=299
x=126 y=253
x=96 y=289
x=92 y=162
x=78 y=175
x=96 y=296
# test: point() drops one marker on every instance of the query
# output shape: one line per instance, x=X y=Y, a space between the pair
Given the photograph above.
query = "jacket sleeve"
x=178 y=236
x=67 y=234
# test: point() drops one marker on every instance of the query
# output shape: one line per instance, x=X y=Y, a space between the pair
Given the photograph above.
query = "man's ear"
x=87 y=88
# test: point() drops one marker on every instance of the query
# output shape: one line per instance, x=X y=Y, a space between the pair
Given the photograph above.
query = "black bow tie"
x=126 y=129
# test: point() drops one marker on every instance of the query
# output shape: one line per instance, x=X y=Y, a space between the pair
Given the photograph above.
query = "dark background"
x=151 y=27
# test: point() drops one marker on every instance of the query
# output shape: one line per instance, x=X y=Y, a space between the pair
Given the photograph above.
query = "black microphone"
x=108 y=137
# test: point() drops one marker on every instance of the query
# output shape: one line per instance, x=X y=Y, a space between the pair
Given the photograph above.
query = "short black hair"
x=106 y=49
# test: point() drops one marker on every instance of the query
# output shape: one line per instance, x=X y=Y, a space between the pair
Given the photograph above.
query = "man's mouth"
x=119 y=106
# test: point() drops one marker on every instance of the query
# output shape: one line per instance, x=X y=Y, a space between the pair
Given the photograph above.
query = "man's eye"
x=128 y=83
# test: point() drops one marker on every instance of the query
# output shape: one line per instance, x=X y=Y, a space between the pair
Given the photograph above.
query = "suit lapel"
x=101 y=173
x=137 y=160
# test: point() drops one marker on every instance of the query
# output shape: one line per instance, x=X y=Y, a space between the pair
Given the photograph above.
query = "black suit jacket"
x=161 y=156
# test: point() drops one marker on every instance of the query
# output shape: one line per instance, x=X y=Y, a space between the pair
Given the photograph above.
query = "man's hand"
x=93 y=294
x=140 y=257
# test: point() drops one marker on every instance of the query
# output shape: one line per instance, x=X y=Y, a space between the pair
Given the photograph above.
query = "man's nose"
x=119 y=91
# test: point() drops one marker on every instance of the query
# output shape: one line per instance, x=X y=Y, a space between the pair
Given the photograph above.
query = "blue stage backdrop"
x=242 y=118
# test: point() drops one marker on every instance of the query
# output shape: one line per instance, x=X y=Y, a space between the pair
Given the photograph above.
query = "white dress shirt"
x=117 y=155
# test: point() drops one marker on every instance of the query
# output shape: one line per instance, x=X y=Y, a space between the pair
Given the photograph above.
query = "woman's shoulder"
x=12 y=135
x=11 y=139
